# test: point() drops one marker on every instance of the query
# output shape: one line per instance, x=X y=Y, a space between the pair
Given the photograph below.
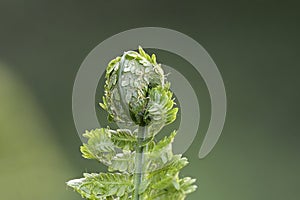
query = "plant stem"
x=139 y=160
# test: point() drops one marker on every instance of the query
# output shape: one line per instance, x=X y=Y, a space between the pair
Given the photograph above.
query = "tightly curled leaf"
x=136 y=93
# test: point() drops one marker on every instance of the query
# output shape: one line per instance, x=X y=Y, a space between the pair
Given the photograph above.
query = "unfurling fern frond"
x=137 y=98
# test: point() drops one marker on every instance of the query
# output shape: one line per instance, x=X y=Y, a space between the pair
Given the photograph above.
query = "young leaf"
x=171 y=189
x=172 y=167
x=164 y=142
x=186 y=185
x=160 y=106
x=123 y=162
x=103 y=185
x=153 y=58
x=124 y=139
x=99 y=146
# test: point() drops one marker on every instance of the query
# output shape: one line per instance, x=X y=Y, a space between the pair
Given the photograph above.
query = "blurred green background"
x=254 y=43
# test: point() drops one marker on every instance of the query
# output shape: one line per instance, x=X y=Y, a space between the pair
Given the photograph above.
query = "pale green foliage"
x=123 y=138
x=103 y=186
x=99 y=146
x=135 y=95
x=161 y=168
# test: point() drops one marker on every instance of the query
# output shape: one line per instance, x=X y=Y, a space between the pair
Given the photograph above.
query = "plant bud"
x=136 y=93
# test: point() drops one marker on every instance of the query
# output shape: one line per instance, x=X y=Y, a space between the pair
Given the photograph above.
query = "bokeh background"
x=254 y=43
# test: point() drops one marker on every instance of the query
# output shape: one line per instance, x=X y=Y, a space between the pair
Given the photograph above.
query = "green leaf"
x=124 y=139
x=165 y=142
x=160 y=106
x=111 y=65
x=161 y=153
x=171 y=188
x=165 y=182
x=144 y=185
x=103 y=185
x=186 y=185
x=172 y=167
x=171 y=115
x=123 y=162
x=142 y=52
x=132 y=54
x=99 y=146
x=104 y=104
x=153 y=57
x=165 y=176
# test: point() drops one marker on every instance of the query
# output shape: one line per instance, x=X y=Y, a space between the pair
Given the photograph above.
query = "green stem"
x=139 y=160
